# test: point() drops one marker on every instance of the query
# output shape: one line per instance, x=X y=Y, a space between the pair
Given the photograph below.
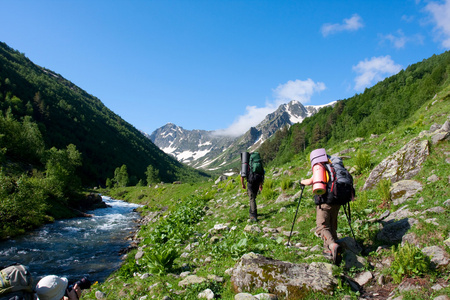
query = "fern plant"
x=384 y=190
x=409 y=261
x=363 y=161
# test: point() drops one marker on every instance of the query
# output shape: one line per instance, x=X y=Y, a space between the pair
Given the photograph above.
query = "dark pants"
x=252 y=190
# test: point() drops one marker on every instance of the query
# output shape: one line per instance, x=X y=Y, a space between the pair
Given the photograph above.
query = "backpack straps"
x=332 y=173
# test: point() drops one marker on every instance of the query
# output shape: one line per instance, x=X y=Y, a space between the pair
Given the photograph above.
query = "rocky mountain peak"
x=203 y=149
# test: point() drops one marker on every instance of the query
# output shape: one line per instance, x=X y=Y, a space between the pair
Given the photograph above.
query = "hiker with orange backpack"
x=332 y=187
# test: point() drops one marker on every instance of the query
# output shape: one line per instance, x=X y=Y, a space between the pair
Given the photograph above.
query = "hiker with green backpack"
x=252 y=169
x=332 y=188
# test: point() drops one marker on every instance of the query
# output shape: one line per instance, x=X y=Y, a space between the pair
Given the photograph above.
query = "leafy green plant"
x=159 y=262
x=268 y=192
x=409 y=261
x=286 y=183
x=384 y=190
x=363 y=161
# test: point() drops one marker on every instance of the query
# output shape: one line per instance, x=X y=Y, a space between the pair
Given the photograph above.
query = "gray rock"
x=438 y=256
x=283 y=279
x=191 y=279
x=206 y=294
x=139 y=255
x=403 y=190
x=410 y=238
x=434 y=127
x=407 y=286
x=363 y=278
x=283 y=198
x=433 y=178
x=437 y=210
x=399 y=214
x=350 y=244
x=351 y=260
x=244 y=296
x=442 y=297
x=215 y=278
x=266 y=296
x=402 y=165
x=220 y=179
x=185 y=274
x=439 y=136
x=446 y=126
x=252 y=228
x=100 y=295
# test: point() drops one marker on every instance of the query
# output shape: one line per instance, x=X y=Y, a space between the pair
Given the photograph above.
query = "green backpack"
x=16 y=279
x=256 y=174
x=256 y=165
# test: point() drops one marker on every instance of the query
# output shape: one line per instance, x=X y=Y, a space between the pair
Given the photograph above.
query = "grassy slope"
x=225 y=252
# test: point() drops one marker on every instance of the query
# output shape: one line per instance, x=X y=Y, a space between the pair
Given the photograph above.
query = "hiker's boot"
x=336 y=253
x=253 y=219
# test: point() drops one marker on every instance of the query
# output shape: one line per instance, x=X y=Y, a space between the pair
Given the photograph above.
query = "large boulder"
x=403 y=190
x=402 y=165
x=284 y=279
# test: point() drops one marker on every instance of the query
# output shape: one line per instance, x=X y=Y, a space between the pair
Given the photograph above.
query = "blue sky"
x=222 y=65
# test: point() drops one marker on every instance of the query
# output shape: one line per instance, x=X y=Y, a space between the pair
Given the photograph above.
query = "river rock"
x=281 y=278
x=403 y=190
x=402 y=165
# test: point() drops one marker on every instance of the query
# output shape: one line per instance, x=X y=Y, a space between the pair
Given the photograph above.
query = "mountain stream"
x=76 y=247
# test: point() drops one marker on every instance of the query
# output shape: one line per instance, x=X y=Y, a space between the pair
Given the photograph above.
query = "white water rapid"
x=77 y=247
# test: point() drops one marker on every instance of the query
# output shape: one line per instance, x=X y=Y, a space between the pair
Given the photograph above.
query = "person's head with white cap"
x=51 y=287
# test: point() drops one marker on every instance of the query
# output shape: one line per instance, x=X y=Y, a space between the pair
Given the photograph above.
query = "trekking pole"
x=349 y=219
x=301 y=194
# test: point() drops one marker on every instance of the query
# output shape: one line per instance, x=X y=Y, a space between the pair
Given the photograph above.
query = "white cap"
x=51 y=287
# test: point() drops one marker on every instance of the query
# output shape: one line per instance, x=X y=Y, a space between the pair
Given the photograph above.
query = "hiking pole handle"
x=295 y=217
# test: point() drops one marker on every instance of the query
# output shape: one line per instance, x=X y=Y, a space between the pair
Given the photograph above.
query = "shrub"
x=384 y=190
x=159 y=262
x=409 y=261
x=267 y=192
x=286 y=183
x=363 y=161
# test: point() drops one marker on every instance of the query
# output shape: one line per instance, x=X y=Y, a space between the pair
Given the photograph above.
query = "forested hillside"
x=378 y=110
x=55 y=138
x=65 y=114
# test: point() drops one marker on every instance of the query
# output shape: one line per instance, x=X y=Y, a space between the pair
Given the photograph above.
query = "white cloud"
x=399 y=40
x=374 y=70
x=352 y=24
x=408 y=19
x=253 y=116
x=292 y=90
x=297 y=90
x=441 y=16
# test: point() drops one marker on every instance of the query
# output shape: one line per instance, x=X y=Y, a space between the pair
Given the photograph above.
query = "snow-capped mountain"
x=205 y=150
